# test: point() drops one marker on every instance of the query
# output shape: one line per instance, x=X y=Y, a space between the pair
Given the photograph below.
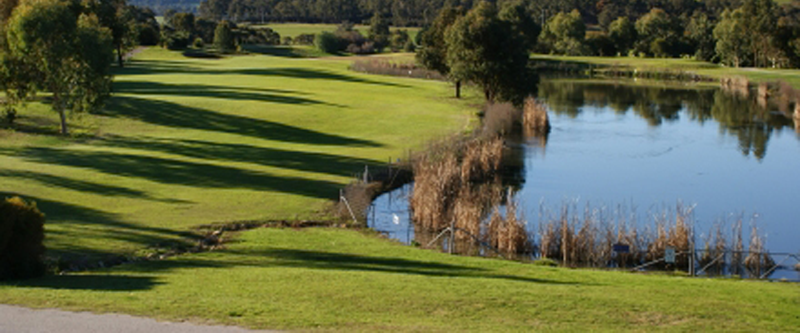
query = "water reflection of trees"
x=738 y=116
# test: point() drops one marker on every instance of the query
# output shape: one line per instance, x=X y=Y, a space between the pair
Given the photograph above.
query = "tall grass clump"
x=535 y=121
x=738 y=85
x=449 y=175
x=758 y=261
x=395 y=68
x=21 y=237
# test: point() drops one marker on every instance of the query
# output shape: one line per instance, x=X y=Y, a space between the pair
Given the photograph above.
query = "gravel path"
x=14 y=319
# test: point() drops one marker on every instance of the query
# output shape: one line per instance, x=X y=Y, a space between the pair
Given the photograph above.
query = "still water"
x=651 y=146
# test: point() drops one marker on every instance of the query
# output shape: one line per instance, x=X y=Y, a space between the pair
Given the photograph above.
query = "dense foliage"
x=21 y=236
x=51 y=48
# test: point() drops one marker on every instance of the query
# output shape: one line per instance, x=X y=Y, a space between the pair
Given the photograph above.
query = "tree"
x=488 y=51
x=223 y=37
x=656 y=33
x=760 y=19
x=183 y=22
x=379 y=31
x=120 y=20
x=432 y=53
x=66 y=57
x=732 y=42
x=700 y=32
x=565 y=34
x=622 y=33
x=522 y=22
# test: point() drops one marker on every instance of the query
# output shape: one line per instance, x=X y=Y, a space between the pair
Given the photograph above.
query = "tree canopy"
x=52 y=49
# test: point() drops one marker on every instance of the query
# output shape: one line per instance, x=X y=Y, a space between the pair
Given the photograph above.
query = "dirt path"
x=14 y=319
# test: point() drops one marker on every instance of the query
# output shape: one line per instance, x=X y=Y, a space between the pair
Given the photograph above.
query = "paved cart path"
x=14 y=319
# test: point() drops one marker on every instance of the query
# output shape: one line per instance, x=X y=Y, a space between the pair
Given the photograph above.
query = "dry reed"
x=737 y=85
x=758 y=261
x=535 y=121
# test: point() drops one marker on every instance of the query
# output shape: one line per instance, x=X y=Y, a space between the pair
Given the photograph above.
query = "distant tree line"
x=757 y=33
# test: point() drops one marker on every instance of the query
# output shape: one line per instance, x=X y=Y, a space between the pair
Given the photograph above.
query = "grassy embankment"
x=791 y=76
x=186 y=142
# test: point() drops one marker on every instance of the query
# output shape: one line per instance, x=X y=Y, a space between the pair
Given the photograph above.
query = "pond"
x=646 y=146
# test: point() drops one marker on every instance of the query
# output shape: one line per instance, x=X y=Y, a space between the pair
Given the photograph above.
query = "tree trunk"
x=63 y=116
x=119 y=55
x=61 y=112
x=458 y=89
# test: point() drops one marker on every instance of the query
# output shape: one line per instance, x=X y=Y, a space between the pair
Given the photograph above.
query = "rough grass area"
x=185 y=142
x=334 y=279
x=791 y=76
x=294 y=29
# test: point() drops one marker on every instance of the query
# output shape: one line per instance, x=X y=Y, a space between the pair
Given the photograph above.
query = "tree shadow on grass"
x=221 y=92
x=89 y=222
x=82 y=185
x=288 y=159
x=181 y=116
x=168 y=171
x=279 y=257
x=153 y=67
x=88 y=282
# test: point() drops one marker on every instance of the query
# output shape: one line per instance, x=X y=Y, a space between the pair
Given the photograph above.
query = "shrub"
x=198 y=43
x=148 y=35
x=21 y=236
x=223 y=37
x=327 y=42
x=287 y=40
x=175 y=40
x=304 y=39
x=410 y=46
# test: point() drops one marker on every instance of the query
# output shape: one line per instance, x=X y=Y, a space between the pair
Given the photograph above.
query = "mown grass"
x=791 y=76
x=185 y=142
x=294 y=29
x=335 y=279
x=189 y=141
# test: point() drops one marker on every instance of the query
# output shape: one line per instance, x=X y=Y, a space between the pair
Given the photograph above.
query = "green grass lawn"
x=337 y=279
x=294 y=29
x=185 y=142
x=791 y=76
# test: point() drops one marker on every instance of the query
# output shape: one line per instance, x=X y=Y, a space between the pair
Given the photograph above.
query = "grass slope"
x=791 y=76
x=185 y=142
x=342 y=280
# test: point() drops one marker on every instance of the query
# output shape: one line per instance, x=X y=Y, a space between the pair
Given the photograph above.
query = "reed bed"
x=458 y=182
x=535 y=121
x=738 y=85
x=395 y=68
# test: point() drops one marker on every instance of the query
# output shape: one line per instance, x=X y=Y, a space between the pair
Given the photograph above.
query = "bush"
x=223 y=37
x=287 y=40
x=409 y=47
x=198 y=43
x=175 y=40
x=327 y=42
x=304 y=39
x=21 y=236
x=148 y=35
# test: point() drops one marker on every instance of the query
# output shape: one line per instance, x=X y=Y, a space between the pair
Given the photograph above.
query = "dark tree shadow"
x=169 y=171
x=221 y=92
x=81 y=185
x=334 y=261
x=111 y=226
x=297 y=160
x=276 y=51
x=88 y=282
x=181 y=116
x=152 y=67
